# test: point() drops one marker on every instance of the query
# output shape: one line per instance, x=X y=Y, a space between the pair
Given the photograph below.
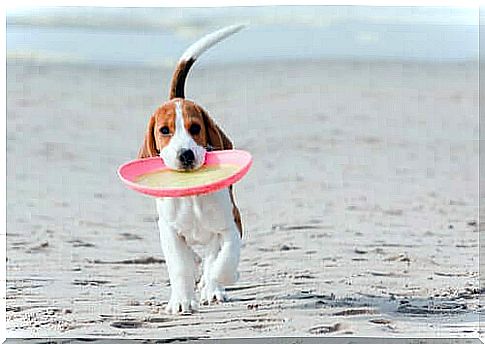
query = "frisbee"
x=152 y=177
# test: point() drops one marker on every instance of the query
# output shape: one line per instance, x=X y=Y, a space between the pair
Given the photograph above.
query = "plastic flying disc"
x=151 y=177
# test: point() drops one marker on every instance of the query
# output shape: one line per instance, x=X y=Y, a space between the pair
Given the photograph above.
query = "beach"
x=360 y=211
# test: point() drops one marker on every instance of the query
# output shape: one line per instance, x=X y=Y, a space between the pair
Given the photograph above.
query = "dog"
x=181 y=132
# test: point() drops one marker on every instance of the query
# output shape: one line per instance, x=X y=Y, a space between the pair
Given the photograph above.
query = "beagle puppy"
x=181 y=132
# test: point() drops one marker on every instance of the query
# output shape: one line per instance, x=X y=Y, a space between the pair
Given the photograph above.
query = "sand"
x=360 y=210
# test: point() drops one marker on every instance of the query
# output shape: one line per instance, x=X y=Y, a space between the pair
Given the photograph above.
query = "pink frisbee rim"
x=132 y=169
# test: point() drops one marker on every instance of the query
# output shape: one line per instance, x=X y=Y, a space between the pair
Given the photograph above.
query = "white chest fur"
x=197 y=218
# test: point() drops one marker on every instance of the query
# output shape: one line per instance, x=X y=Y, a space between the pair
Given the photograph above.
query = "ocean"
x=158 y=36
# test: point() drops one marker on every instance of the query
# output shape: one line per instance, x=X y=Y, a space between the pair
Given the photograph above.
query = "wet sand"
x=360 y=210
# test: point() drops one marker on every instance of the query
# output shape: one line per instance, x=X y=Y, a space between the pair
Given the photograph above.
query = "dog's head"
x=181 y=132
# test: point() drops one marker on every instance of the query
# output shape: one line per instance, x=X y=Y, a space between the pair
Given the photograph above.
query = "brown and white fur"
x=181 y=132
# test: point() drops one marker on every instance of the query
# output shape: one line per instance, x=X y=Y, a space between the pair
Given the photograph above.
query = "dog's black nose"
x=187 y=157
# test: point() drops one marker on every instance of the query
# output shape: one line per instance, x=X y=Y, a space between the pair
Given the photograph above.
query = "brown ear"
x=149 y=148
x=216 y=138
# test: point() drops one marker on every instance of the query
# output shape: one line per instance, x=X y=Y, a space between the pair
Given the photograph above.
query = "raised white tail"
x=193 y=52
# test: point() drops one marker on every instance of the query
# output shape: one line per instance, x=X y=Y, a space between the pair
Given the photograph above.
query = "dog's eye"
x=165 y=130
x=194 y=129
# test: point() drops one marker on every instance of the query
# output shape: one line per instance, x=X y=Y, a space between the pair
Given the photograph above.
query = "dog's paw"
x=181 y=305
x=212 y=293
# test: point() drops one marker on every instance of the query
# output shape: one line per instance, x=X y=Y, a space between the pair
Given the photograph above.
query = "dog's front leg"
x=220 y=267
x=181 y=266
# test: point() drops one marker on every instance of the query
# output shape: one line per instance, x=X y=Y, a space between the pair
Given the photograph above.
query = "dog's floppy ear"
x=216 y=139
x=149 y=148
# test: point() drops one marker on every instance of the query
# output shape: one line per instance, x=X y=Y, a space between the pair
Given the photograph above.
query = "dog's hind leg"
x=220 y=266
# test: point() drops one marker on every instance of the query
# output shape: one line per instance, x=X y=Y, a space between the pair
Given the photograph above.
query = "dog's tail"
x=192 y=54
